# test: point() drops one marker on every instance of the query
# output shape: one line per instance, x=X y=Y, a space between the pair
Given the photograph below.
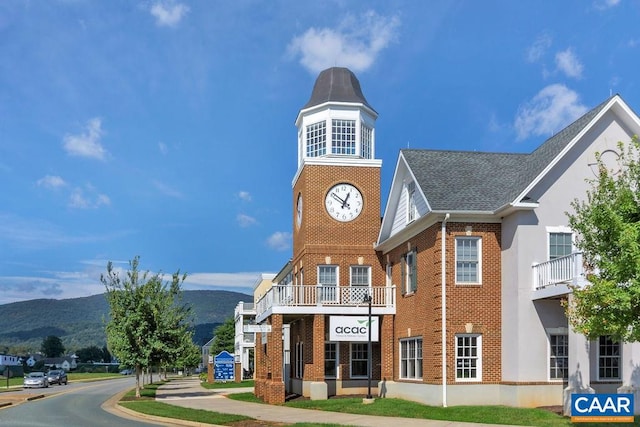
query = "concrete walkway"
x=188 y=393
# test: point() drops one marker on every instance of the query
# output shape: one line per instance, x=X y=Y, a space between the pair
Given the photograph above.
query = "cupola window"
x=317 y=139
x=343 y=137
x=366 y=138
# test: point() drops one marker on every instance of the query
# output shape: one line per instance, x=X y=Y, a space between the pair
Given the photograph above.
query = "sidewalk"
x=188 y=393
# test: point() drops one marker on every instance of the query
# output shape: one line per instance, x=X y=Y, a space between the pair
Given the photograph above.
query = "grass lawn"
x=403 y=408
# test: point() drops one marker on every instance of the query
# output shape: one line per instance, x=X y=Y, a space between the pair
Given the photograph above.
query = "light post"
x=368 y=299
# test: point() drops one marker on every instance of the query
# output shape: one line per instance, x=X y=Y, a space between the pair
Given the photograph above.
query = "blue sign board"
x=602 y=408
x=223 y=366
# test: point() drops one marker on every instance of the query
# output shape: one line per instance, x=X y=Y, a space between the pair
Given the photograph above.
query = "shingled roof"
x=482 y=181
x=336 y=84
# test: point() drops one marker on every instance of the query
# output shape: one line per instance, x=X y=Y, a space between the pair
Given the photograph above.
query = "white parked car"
x=35 y=380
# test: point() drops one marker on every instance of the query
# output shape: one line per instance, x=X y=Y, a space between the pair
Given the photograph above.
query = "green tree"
x=52 y=346
x=607 y=224
x=90 y=354
x=135 y=331
x=224 y=337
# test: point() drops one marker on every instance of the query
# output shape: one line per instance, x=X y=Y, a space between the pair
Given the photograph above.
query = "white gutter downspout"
x=443 y=239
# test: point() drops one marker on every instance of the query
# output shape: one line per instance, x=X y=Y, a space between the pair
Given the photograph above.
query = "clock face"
x=299 y=210
x=343 y=202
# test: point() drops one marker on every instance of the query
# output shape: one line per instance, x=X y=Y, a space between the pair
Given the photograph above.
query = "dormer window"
x=343 y=137
x=412 y=209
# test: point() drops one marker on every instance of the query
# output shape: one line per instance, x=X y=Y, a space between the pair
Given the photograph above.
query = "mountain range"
x=80 y=322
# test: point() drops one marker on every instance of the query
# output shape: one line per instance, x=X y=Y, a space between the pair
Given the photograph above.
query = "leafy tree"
x=608 y=233
x=90 y=354
x=136 y=329
x=224 y=337
x=52 y=346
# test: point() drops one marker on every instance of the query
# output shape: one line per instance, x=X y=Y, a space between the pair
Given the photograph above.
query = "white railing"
x=323 y=295
x=567 y=269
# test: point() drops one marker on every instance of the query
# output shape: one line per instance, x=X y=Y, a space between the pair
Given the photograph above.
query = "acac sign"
x=353 y=328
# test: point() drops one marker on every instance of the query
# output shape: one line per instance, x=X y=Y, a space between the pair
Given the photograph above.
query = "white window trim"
x=329 y=265
x=337 y=344
x=389 y=274
x=554 y=331
x=559 y=229
x=400 y=358
x=368 y=267
x=479 y=359
x=479 y=282
x=620 y=367
x=351 y=361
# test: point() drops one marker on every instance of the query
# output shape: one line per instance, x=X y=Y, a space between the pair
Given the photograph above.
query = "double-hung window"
x=330 y=360
x=558 y=356
x=359 y=360
x=411 y=358
x=469 y=357
x=360 y=282
x=328 y=281
x=366 y=142
x=409 y=272
x=608 y=359
x=468 y=260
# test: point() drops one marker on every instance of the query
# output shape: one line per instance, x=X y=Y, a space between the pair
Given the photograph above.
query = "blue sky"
x=165 y=129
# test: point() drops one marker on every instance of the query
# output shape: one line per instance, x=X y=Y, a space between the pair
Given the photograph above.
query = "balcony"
x=316 y=299
x=553 y=278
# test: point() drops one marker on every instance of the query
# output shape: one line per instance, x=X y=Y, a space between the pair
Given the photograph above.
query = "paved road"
x=74 y=405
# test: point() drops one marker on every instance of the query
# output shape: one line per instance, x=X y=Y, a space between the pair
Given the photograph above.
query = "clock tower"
x=336 y=189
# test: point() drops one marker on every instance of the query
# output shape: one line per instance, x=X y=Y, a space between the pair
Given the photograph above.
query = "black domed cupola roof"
x=336 y=84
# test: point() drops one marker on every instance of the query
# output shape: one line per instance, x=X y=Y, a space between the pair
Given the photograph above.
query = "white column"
x=630 y=366
x=579 y=369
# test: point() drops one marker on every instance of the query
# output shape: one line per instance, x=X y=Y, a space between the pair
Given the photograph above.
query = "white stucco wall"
x=525 y=234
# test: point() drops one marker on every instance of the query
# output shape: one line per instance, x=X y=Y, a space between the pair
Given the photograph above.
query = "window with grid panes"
x=330 y=359
x=608 y=358
x=409 y=272
x=317 y=139
x=468 y=260
x=359 y=360
x=343 y=136
x=411 y=358
x=558 y=356
x=328 y=278
x=299 y=360
x=559 y=245
x=468 y=357
x=412 y=209
x=366 y=138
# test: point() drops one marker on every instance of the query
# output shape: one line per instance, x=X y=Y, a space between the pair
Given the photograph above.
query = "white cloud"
x=80 y=200
x=168 y=13
x=229 y=281
x=245 y=220
x=605 y=4
x=167 y=190
x=354 y=44
x=163 y=148
x=568 y=63
x=86 y=144
x=244 y=195
x=549 y=111
x=539 y=47
x=51 y=181
x=280 y=241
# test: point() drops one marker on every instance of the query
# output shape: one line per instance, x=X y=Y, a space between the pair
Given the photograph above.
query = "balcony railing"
x=313 y=296
x=567 y=270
